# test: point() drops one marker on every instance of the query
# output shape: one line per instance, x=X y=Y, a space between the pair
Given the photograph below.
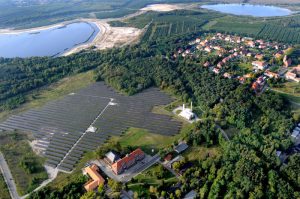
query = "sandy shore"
x=108 y=37
x=162 y=7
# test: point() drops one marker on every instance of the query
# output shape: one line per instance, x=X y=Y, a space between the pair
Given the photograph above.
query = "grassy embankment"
x=4 y=193
x=26 y=167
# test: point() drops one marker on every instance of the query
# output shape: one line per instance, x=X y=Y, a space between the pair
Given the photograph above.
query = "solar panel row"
x=60 y=126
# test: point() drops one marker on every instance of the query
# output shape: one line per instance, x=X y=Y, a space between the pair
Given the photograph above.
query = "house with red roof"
x=128 y=161
x=96 y=178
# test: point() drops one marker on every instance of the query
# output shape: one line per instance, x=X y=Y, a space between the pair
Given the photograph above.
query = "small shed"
x=181 y=147
x=112 y=157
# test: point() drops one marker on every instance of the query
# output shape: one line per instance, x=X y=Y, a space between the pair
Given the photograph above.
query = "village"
x=243 y=58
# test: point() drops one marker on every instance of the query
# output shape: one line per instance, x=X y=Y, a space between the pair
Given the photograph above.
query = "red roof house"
x=128 y=161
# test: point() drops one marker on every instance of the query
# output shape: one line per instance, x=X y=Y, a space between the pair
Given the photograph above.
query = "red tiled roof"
x=96 y=180
x=127 y=161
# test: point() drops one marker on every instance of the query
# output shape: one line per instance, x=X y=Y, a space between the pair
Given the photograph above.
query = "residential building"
x=293 y=74
x=227 y=75
x=206 y=64
x=216 y=70
x=259 y=56
x=261 y=65
x=287 y=61
x=270 y=74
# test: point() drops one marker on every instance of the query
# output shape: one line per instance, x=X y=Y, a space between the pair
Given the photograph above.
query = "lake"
x=249 y=9
x=48 y=42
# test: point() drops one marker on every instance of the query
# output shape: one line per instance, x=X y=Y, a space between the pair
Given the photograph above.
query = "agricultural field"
x=26 y=167
x=4 y=193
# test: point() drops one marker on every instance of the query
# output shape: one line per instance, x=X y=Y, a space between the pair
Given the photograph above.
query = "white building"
x=295 y=134
x=187 y=113
x=91 y=129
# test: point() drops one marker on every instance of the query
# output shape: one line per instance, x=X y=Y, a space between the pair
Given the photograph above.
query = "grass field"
x=26 y=167
x=146 y=141
x=52 y=92
x=201 y=152
x=290 y=90
x=4 y=193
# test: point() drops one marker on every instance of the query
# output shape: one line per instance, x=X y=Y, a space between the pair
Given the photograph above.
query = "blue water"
x=248 y=9
x=50 y=42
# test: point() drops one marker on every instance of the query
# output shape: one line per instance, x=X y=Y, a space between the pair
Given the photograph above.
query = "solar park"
x=60 y=127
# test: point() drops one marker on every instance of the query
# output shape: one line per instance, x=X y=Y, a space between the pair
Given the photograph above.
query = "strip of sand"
x=108 y=37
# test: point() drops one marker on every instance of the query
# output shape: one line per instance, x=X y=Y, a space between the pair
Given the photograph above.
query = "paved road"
x=8 y=178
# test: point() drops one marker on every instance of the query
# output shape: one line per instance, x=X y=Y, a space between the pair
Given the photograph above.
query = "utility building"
x=187 y=113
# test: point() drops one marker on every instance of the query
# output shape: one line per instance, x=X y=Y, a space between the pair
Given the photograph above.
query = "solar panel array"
x=60 y=126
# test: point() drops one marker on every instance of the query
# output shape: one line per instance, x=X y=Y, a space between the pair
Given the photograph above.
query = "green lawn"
x=146 y=141
x=4 y=193
x=291 y=88
x=201 y=152
x=26 y=167
x=246 y=66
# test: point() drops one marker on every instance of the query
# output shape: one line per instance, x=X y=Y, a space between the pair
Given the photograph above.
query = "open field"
x=201 y=153
x=146 y=141
x=4 y=193
x=290 y=90
x=26 y=167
